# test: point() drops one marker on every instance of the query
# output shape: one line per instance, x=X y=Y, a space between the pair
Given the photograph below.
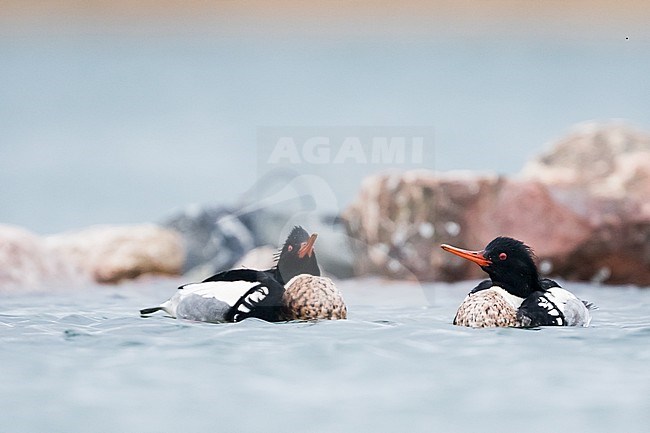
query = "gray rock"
x=214 y=237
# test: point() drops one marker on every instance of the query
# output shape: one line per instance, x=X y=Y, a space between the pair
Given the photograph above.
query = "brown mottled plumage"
x=307 y=297
x=486 y=308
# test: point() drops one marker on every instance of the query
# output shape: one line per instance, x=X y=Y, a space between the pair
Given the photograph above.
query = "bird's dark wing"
x=263 y=301
x=539 y=310
x=239 y=274
x=547 y=283
x=250 y=293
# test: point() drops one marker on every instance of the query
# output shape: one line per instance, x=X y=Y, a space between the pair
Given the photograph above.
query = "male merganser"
x=515 y=295
x=235 y=295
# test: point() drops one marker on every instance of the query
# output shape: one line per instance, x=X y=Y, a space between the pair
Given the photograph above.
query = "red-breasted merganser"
x=515 y=295
x=235 y=295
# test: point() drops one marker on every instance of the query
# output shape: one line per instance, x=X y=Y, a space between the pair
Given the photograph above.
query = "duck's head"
x=509 y=262
x=297 y=255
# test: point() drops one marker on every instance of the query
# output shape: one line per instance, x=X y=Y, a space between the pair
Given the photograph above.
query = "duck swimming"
x=515 y=295
x=292 y=290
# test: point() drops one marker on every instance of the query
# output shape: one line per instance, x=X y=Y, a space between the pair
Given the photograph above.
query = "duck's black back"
x=262 y=301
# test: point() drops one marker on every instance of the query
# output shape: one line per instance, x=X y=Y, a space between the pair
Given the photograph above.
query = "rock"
x=27 y=265
x=216 y=238
x=106 y=254
x=333 y=246
x=260 y=258
x=618 y=252
x=602 y=172
x=584 y=207
x=610 y=161
x=110 y=254
x=401 y=220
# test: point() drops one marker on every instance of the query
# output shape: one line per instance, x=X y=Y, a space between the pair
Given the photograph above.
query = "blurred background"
x=122 y=111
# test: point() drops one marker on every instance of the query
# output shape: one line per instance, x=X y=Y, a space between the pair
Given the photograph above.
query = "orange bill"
x=477 y=257
x=307 y=248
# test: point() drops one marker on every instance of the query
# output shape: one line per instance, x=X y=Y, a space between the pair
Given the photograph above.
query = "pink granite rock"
x=584 y=207
x=107 y=254
x=607 y=161
x=400 y=220
x=111 y=254
x=26 y=264
x=602 y=171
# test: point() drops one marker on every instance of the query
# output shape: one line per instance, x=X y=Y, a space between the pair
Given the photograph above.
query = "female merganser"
x=237 y=294
x=515 y=295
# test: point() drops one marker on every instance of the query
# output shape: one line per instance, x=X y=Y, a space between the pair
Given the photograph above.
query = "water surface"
x=85 y=361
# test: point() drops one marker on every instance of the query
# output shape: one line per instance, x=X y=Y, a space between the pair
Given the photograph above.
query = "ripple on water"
x=73 y=334
x=387 y=367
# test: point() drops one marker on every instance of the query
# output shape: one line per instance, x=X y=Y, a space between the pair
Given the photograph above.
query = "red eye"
x=503 y=256
x=290 y=248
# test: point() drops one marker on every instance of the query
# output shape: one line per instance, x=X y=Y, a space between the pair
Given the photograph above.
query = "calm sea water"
x=85 y=361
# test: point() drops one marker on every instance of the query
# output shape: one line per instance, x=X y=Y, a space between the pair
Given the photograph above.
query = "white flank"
x=559 y=296
x=293 y=280
x=226 y=291
x=573 y=309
